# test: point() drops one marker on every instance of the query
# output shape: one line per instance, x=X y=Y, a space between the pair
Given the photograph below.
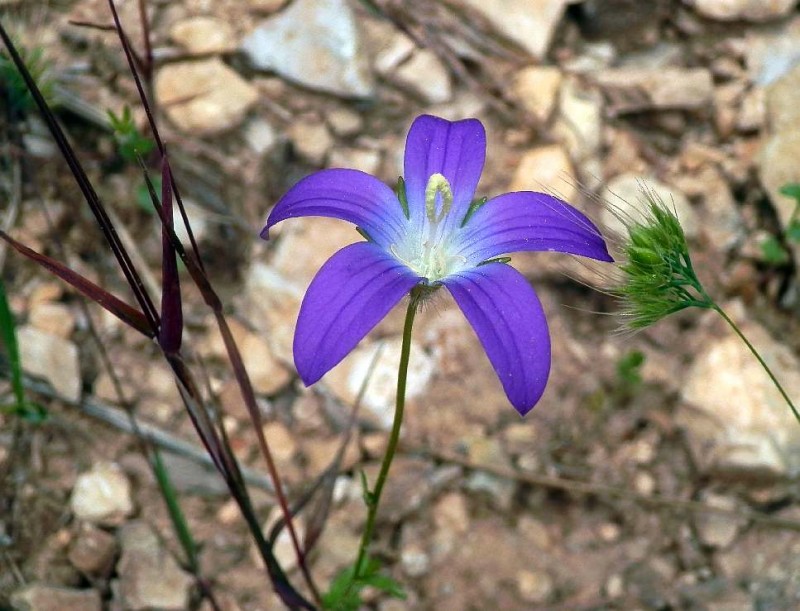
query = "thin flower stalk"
x=373 y=496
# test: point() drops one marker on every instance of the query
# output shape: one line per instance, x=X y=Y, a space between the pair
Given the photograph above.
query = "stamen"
x=438 y=184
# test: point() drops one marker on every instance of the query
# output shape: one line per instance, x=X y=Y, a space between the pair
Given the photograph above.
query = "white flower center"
x=430 y=252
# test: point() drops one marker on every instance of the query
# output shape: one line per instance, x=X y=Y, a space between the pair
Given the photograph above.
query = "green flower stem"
x=373 y=497
x=771 y=375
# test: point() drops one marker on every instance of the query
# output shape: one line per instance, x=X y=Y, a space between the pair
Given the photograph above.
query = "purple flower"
x=430 y=232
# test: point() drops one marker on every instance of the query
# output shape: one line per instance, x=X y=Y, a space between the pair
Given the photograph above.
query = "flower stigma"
x=429 y=252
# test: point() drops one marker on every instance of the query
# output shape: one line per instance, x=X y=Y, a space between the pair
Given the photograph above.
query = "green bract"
x=658 y=277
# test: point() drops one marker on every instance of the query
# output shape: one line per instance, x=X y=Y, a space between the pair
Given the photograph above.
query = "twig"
x=586 y=488
x=119 y=419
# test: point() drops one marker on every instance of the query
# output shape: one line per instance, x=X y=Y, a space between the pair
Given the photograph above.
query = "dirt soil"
x=601 y=498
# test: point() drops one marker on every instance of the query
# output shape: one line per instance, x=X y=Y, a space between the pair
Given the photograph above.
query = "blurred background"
x=659 y=471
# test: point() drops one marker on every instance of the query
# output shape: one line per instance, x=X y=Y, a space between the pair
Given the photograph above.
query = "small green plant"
x=19 y=406
x=345 y=590
x=11 y=81
x=629 y=369
x=132 y=144
x=773 y=249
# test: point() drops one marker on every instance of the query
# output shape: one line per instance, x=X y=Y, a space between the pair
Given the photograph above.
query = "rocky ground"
x=671 y=485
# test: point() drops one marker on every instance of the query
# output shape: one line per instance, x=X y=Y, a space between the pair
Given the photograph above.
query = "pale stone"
x=397 y=50
x=52 y=358
x=425 y=75
x=281 y=441
x=414 y=560
x=747 y=10
x=366 y=160
x=199 y=221
x=45 y=292
x=266 y=6
x=267 y=374
x=638 y=89
x=595 y=56
x=737 y=421
x=53 y=318
x=39 y=597
x=344 y=122
x=772 y=52
x=102 y=495
x=782 y=111
x=271 y=303
x=346 y=379
x=752 y=111
x=534 y=586
x=536 y=89
x=778 y=167
x=294 y=258
x=644 y=483
x=778 y=155
x=717 y=529
x=315 y=43
x=260 y=136
x=625 y=196
x=201 y=35
x=580 y=120
x=149 y=577
x=720 y=218
x=204 y=97
x=548 y=169
x=451 y=513
x=529 y=23
x=312 y=140
x=92 y=551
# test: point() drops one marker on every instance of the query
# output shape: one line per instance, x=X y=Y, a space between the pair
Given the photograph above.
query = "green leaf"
x=773 y=251
x=8 y=331
x=143 y=199
x=495 y=260
x=629 y=366
x=366 y=493
x=402 y=196
x=131 y=144
x=27 y=410
x=474 y=206
x=793 y=231
x=363 y=233
x=792 y=190
x=386 y=584
x=344 y=593
x=14 y=84
x=176 y=515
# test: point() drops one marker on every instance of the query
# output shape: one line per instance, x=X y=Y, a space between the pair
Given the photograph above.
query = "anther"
x=437 y=184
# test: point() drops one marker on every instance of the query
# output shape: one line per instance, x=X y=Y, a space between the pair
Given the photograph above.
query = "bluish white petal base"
x=509 y=321
x=350 y=294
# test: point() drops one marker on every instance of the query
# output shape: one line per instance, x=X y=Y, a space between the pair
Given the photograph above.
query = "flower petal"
x=530 y=221
x=350 y=294
x=350 y=195
x=509 y=321
x=455 y=150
